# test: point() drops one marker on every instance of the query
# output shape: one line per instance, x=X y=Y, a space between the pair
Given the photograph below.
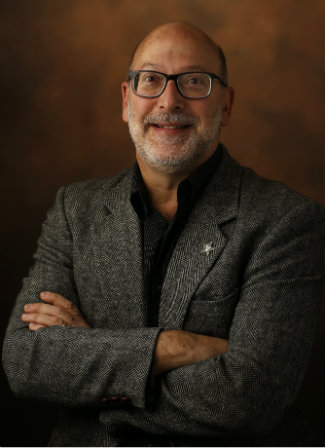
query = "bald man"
x=176 y=302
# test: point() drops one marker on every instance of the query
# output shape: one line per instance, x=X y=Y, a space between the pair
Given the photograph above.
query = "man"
x=175 y=303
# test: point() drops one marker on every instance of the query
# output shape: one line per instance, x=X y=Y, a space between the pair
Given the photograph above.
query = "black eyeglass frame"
x=175 y=77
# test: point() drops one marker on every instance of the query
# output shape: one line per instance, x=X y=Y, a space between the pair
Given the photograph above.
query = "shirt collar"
x=188 y=190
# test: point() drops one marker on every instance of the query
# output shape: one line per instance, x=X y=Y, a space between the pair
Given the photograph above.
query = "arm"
x=244 y=392
x=73 y=366
x=174 y=348
x=78 y=365
x=239 y=391
x=177 y=348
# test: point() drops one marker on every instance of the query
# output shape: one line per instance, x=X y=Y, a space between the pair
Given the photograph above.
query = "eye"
x=193 y=80
x=194 y=83
x=149 y=78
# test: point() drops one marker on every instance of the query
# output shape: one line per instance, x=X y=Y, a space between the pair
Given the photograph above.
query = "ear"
x=229 y=99
x=124 y=88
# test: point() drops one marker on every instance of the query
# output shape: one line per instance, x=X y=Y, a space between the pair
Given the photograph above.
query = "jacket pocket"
x=211 y=317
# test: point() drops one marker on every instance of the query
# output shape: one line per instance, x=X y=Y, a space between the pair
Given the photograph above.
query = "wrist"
x=173 y=349
x=177 y=348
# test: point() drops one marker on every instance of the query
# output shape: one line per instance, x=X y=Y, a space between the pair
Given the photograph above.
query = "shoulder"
x=261 y=203
x=92 y=188
x=91 y=192
x=88 y=198
x=273 y=200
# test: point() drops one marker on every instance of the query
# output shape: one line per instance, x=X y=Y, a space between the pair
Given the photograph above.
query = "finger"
x=56 y=299
x=43 y=319
x=39 y=308
x=51 y=310
x=64 y=309
x=33 y=326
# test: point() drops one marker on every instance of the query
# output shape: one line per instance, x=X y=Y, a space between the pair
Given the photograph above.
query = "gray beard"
x=173 y=153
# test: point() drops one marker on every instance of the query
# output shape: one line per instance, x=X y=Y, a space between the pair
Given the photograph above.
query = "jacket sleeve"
x=71 y=366
x=245 y=392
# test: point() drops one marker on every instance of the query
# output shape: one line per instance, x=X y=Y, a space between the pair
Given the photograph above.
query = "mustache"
x=179 y=118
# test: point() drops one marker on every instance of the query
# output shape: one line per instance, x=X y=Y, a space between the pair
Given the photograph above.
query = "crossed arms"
x=174 y=348
x=241 y=387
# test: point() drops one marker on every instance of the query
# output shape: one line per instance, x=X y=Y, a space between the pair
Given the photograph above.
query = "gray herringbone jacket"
x=259 y=287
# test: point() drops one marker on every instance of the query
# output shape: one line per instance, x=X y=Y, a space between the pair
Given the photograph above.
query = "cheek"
x=140 y=107
x=202 y=109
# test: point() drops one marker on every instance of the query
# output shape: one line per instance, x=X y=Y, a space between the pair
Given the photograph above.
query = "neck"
x=162 y=186
x=162 y=189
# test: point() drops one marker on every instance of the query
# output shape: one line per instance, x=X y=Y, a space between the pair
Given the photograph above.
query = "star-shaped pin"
x=207 y=248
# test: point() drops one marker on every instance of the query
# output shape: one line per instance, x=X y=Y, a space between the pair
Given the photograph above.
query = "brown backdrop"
x=62 y=63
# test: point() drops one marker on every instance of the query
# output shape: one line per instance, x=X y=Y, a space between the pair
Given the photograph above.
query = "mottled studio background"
x=61 y=65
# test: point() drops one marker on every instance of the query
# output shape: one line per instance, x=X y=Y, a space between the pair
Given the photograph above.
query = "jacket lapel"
x=118 y=247
x=118 y=252
x=200 y=243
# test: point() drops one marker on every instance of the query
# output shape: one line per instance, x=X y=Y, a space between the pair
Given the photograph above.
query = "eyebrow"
x=154 y=66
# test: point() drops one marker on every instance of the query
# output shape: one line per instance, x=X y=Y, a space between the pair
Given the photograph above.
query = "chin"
x=170 y=163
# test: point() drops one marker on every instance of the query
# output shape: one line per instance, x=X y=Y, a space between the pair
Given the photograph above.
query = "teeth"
x=169 y=127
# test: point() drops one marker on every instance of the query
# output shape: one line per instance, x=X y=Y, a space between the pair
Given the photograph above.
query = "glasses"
x=191 y=85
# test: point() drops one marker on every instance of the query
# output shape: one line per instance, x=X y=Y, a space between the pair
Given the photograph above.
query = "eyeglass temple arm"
x=222 y=82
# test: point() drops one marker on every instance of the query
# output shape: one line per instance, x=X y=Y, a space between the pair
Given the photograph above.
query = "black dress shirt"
x=159 y=236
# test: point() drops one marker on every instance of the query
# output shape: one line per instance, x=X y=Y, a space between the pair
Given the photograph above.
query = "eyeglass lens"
x=192 y=85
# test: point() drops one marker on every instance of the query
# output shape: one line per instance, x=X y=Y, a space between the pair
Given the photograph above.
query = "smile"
x=170 y=126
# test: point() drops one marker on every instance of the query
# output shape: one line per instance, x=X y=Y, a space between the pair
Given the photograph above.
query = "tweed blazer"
x=246 y=267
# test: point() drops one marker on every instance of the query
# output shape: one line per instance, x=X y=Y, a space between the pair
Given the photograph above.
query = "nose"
x=170 y=100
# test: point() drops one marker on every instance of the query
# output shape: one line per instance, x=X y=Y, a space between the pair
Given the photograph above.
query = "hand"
x=56 y=310
x=176 y=348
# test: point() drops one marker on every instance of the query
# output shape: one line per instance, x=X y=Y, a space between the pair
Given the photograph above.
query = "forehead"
x=174 y=50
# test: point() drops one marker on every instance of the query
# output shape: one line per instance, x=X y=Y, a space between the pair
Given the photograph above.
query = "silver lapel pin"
x=207 y=248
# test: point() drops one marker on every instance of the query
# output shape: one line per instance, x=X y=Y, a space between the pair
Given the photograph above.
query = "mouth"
x=170 y=127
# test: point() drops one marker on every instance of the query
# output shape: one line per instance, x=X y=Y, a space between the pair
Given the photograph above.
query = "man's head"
x=172 y=133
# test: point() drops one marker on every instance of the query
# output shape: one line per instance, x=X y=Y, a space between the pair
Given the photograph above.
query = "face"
x=171 y=133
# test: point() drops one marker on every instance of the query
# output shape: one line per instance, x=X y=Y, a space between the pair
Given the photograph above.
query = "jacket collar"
x=221 y=193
